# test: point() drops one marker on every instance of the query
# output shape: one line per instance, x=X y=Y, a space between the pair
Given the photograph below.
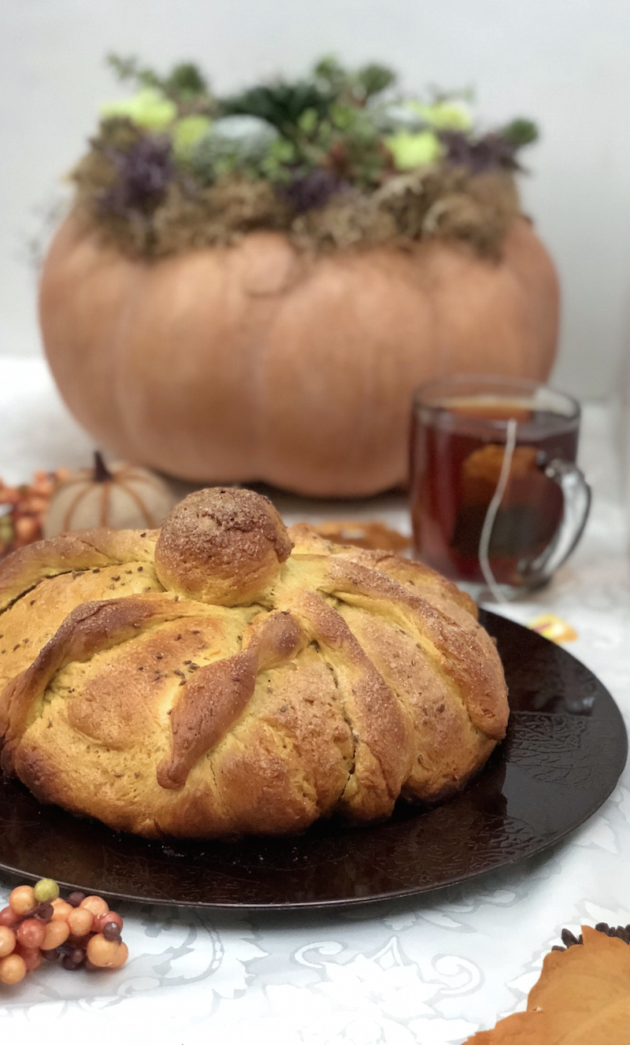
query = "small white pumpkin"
x=119 y=495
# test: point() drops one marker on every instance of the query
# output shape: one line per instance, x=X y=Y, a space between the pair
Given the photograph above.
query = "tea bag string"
x=493 y=508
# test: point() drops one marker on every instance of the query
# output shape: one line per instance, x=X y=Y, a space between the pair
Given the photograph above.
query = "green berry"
x=46 y=890
x=149 y=108
x=187 y=132
x=445 y=115
x=413 y=150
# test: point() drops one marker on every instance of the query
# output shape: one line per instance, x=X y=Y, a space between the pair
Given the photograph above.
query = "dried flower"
x=312 y=190
x=491 y=152
x=143 y=175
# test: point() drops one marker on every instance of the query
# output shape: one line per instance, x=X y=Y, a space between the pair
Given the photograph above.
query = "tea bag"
x=527 y=517
x=484 y=466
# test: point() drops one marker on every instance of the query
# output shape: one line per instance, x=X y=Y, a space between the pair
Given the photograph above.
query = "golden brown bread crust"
x=82 y=550
x=266 y=687
x=374 y=535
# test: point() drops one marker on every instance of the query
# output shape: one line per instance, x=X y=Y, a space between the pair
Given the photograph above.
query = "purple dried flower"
x=143 y=174
x=488 y=153
x=310 y=191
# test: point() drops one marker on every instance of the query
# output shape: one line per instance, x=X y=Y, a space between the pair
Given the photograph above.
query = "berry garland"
x=79 y=932
x=23 y=509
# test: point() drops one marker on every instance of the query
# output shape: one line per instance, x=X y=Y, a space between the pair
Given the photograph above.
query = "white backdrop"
x=563 y=62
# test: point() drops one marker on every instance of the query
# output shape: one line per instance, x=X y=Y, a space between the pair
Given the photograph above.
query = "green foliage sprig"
x=183 y=83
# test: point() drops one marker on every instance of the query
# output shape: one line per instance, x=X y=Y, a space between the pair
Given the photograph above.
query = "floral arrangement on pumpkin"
x=335 y=160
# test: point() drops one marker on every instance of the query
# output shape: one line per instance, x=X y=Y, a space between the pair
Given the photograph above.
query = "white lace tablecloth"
x=429 y=970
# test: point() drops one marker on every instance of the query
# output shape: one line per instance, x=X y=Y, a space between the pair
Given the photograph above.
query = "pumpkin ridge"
x=120 y=433
x=105 y=494
x=138 y=501
x=137 y=474
x=75 y=480
x=67 y=519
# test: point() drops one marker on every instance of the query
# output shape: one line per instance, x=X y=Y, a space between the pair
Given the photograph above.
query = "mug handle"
x=577 y=504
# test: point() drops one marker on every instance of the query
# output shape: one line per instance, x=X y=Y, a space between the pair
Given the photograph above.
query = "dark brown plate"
x=565 y=749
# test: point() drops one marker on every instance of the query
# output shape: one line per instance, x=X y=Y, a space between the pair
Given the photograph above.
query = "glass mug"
x=497 y=501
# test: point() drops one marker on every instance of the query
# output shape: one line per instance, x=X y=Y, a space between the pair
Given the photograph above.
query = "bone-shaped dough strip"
x=215 y=697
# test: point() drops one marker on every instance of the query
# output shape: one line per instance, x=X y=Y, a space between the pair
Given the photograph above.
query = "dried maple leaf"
x=581 y=998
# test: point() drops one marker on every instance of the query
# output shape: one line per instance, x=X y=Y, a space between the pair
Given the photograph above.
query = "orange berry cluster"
x=80 y=932
x=23 y=509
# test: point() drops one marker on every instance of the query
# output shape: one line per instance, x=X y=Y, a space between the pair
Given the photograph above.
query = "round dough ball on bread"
x=222 y=545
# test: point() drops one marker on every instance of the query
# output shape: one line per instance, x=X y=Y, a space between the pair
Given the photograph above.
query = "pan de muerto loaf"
x=225 y=675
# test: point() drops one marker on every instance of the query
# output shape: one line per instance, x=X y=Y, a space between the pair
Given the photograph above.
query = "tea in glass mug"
x=497 y=500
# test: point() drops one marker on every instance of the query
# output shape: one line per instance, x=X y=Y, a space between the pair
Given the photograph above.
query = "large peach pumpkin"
x=256 y=362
